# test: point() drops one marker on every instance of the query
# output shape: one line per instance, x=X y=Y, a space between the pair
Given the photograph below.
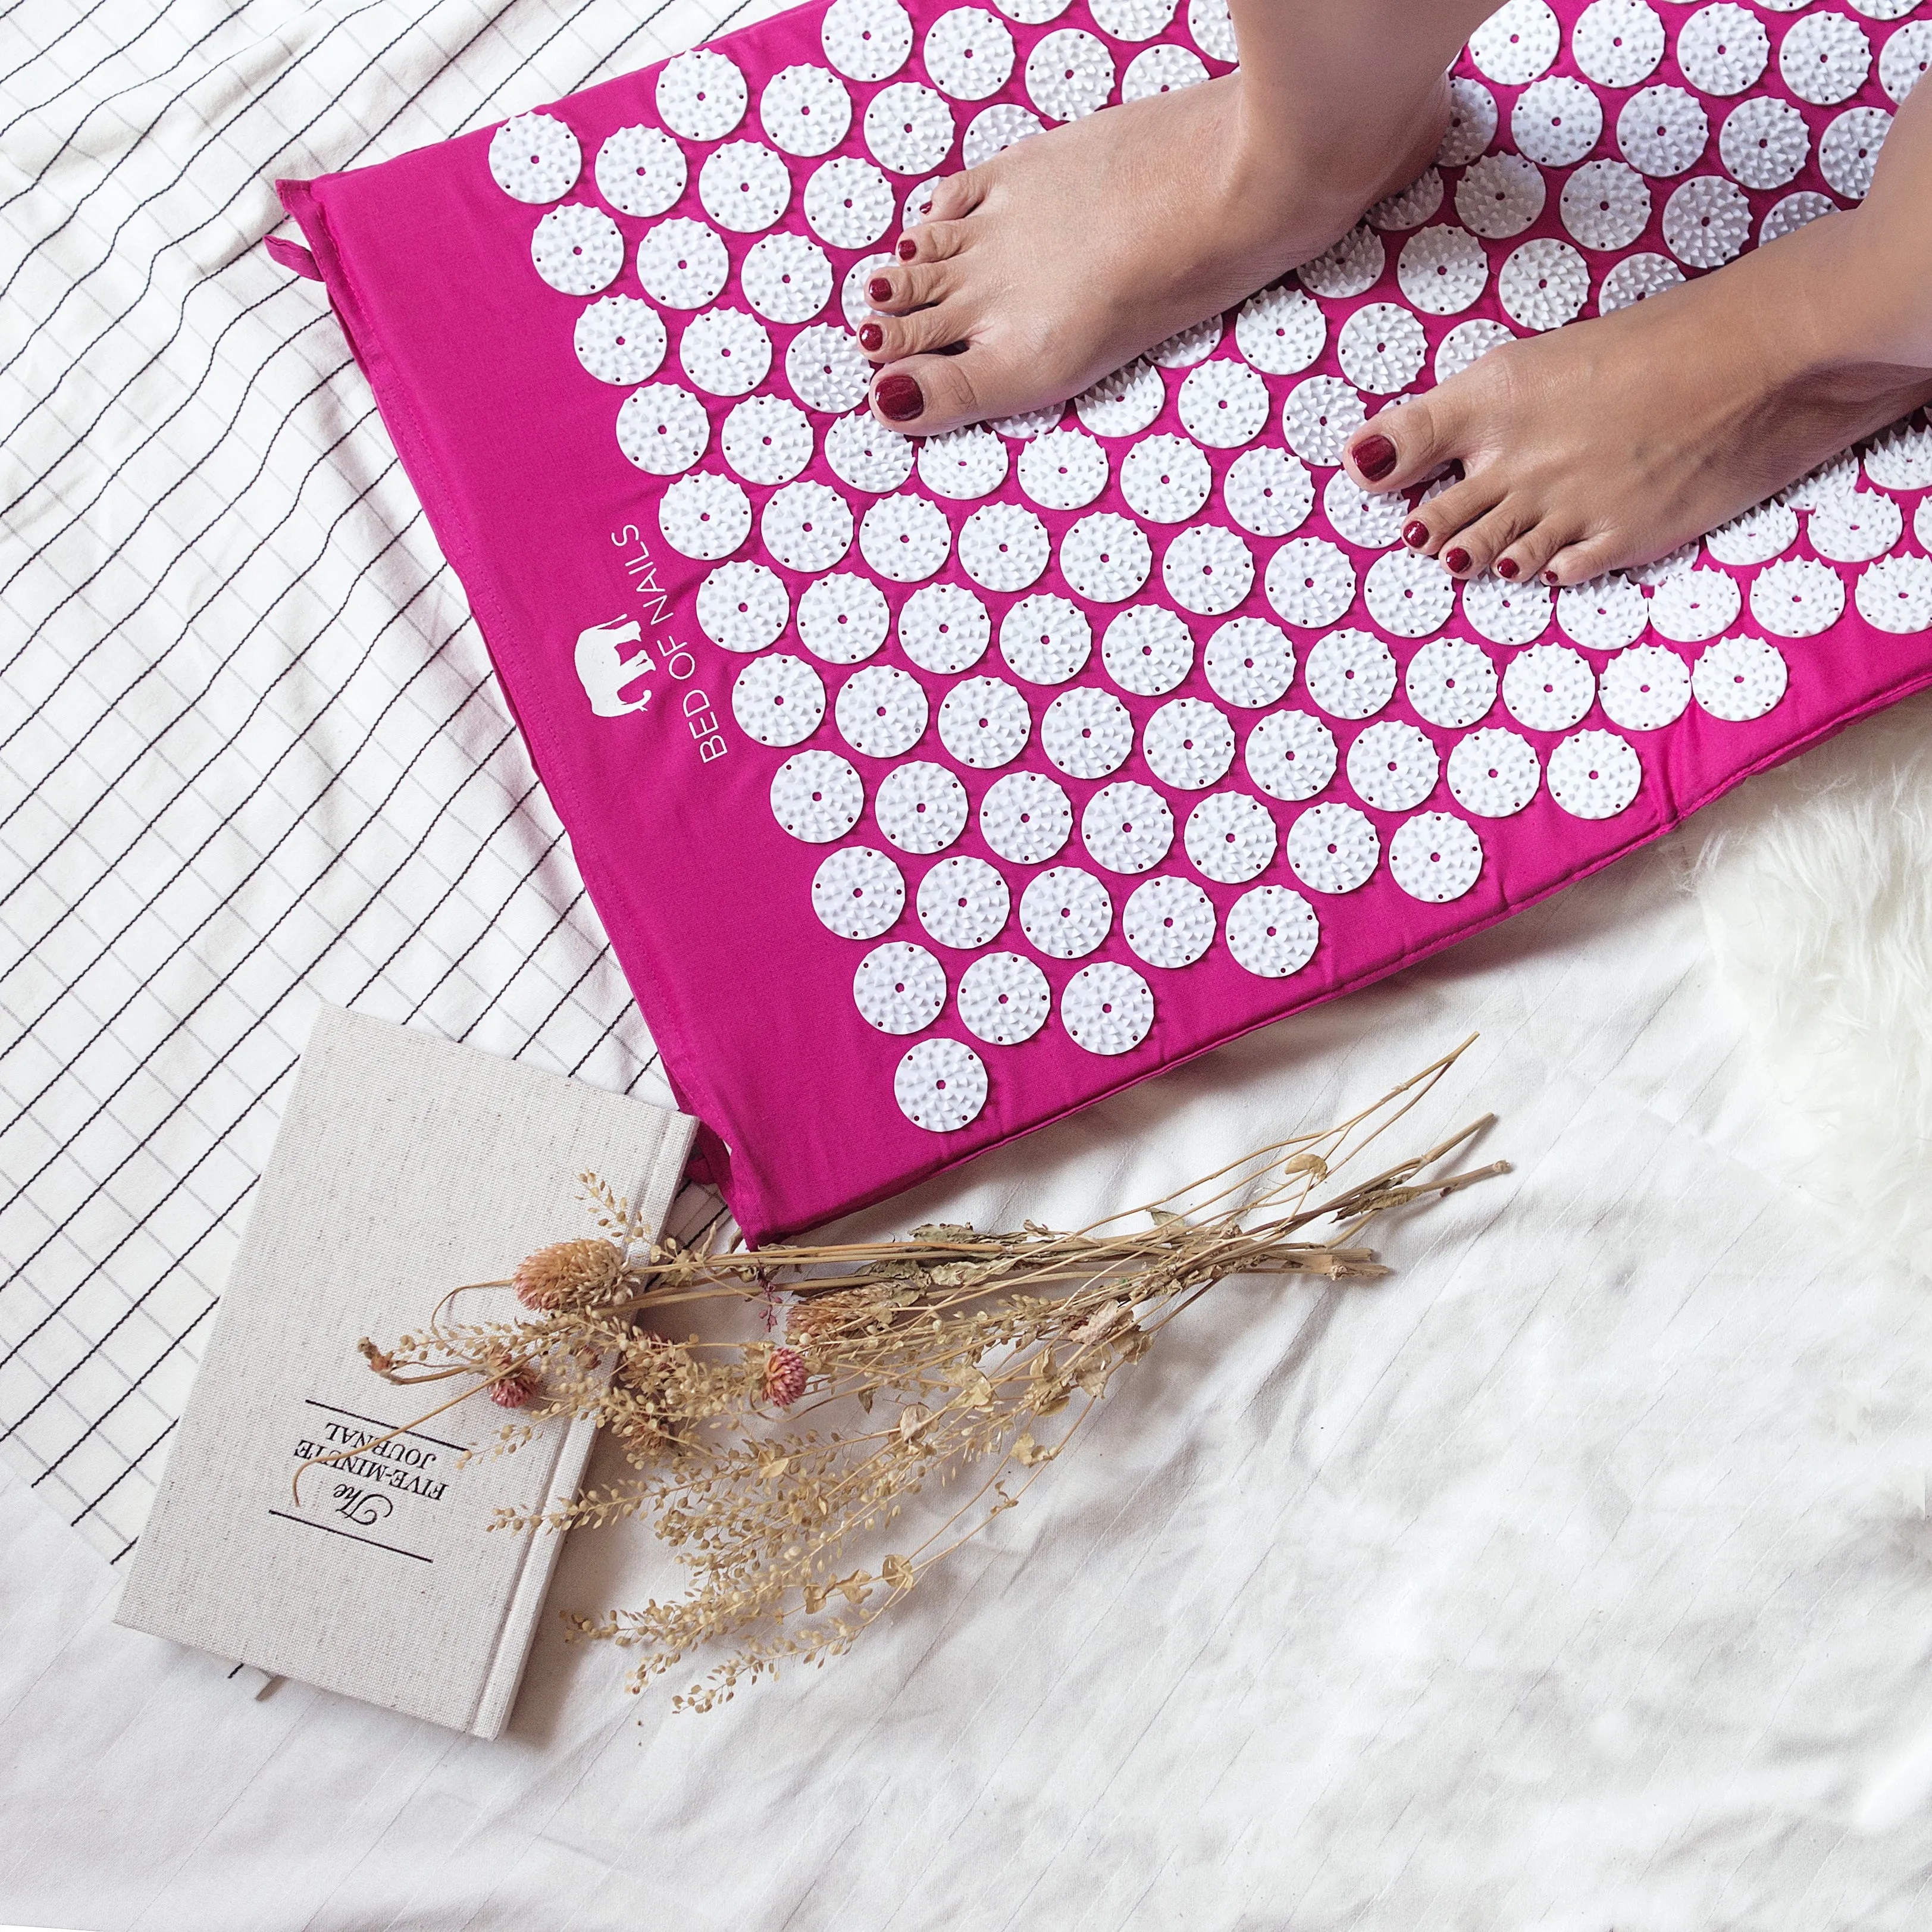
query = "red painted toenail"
x=926 y=206
x=908 y=248
x=871 y=338
x=899 y=398
x=878 y=289
x=1415 y=534
x=1457 y=559
x=1375 y=456
x=1508 y=566
x=1549 y=576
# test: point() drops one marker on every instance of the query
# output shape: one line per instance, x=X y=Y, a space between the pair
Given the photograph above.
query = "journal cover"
x=928 y=791
x=404 y=1167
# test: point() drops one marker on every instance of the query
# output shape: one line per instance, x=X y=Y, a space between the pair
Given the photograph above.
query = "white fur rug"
x=1815 y=884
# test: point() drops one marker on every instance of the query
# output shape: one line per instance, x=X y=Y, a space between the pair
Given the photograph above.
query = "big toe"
x=926 y=395
x=1408 y=443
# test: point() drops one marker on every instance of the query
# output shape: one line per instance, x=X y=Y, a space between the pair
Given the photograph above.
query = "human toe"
x=1578 y=562
x=1402 y=446
x=1444 y=517
x=1483 y=544
x=931 y=242
x=927 y=394
x=956 y=195
x=893 y=290
x=891 y=338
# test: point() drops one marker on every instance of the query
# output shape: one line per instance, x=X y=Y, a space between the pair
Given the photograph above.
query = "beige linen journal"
x=404 y=1167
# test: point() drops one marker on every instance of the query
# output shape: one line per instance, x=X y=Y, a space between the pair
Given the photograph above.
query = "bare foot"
x=1063 y=257
x=1609 y=443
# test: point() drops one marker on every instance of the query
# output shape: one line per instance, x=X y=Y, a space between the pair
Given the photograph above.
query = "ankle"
x=1885 y=315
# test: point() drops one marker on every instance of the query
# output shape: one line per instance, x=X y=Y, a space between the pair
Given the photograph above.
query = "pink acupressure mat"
x=929 y=792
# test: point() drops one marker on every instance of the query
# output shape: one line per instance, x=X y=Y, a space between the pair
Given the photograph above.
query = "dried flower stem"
x=947 y=1352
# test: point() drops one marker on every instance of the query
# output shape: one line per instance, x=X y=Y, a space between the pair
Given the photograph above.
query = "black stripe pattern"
x=253 y=756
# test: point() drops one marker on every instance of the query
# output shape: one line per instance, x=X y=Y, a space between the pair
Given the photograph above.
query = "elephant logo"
x=603 y=671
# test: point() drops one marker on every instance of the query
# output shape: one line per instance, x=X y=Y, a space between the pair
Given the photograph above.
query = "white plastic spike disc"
x=1045 y=640
x=1350 y=673
x=856 y=893
x=969 y=53
x=682 y=264
x=1764 y=142
x=1504 y=612
x=777 y=701
x=1442 y=270
x=944 y=628
x=577 y=249
x=1025 y=817
x=704 y=516
x=963 y=903
x=1004 y=1000
x=1739 y=679
x=724 y=353
x=1332 y=848
x=1087 y=732
x=1549 y=688
x=1003 y=546
x=1065 y=912
x=1272 y=932
x=620 y=340
x=1168 y=922
x=1280 y=330
x=1268 y=492
x=1127 y=827
x=1207 y=570
x=921 y=807
x=940 y=1085
x=881 y=711
x=1691 y=607
x=1408 y=594
x=1494 y=773
x=866 y=40
x=863 y=452
x=1147 y=650
x=817 y=796
x=1188 y=743
x=899 y=988
x=1310 y=582
x=640 y=171
x=842 y=618
x=1249 y=662
x=1230 y=838
x=806 y=526
x=535 y=157
x=1291 y=755
x=905 y=538
x=1393 y=766
x=1516 y=42
x=701 y=94
x=1436 y=857
x=984 y=722
x=767 y=439
x=1063 y=469
x=1594 y=775
x=1107 y=557
x=745 y=187
x=663 y=429
x=804 y=110
x=1107 y=1008
x=743 y=607
x=1644 y=688
x=1451 y=682
x=1797 y=598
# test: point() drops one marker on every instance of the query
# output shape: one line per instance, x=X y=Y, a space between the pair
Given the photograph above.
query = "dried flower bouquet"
x=951 y=1357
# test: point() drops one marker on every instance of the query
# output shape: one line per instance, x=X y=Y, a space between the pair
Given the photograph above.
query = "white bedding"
x=1579 y=1576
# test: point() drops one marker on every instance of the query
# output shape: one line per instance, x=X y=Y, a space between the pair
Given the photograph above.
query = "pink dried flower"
x=513 y=1390
x=784 y=1377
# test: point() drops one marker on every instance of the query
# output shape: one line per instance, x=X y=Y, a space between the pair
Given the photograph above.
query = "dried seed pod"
x=515 y=1390
x=567 y=1274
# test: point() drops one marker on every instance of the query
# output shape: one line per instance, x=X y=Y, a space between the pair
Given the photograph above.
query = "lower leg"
x=1062 y=258
x=1609 y=443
